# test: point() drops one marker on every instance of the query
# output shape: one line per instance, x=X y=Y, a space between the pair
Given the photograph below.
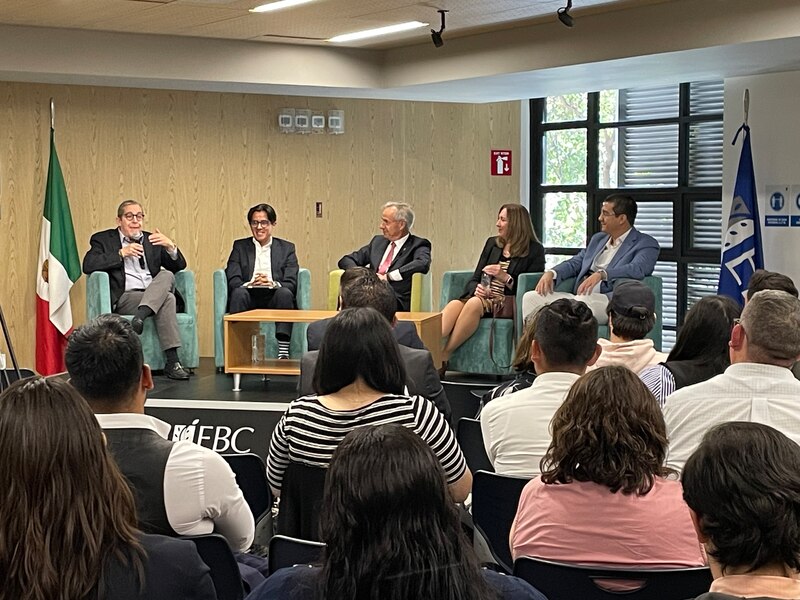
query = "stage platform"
x=207 y=411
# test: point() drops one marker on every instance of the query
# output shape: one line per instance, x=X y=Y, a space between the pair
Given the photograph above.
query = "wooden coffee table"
x=239 y=328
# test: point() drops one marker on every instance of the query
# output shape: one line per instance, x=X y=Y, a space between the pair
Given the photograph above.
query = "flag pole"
x=52 y=114
x=746 y=102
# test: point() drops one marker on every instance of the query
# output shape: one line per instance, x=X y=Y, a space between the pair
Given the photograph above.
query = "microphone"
x=138 y=239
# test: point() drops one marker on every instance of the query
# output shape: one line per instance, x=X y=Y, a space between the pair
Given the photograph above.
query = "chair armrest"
x=220 y=294
x=304 y=289
x=98 y=295
x=185 y=286
x=525 y=283
x=333 y=288
x=453 y=283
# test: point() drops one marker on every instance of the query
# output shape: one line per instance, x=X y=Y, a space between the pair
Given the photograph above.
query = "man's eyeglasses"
x=256 y=224
x=134 y=216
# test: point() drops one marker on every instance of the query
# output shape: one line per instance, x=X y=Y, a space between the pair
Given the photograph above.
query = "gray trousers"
x=160 y=298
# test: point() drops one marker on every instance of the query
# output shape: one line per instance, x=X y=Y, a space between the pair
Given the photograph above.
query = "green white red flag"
x=59 y=269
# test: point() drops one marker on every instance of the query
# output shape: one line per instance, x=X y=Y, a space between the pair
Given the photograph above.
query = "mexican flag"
x=59 y=269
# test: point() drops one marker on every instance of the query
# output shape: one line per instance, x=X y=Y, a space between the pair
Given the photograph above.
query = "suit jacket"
x=635 y=259
x=172 y=569
x=421 y=377
x=242 y=260
x=103 y=255
x=404 y=332
x=413 y=257
x=492 y=254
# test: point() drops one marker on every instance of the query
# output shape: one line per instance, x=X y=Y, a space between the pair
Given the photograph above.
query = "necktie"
x=387 y=261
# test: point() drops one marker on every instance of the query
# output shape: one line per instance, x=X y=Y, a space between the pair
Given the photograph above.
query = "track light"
x=564 y=16
x=436 y=36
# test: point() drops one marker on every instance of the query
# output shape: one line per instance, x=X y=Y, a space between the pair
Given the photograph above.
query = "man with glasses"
x=262 y=272
x=758 y=386
x=133 y=259
x=617 y=253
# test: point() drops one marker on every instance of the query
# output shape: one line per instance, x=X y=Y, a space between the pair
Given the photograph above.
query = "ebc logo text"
x=217 y=437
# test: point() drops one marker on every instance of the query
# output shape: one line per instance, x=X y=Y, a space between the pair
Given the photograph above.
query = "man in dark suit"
x=421 y=376
x=617 y=253
x=404 y=332
x=396 y=255
x=133 y=259
x=262 y=272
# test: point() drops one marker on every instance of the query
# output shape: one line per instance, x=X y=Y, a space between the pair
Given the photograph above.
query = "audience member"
x=392 y=531
x=359 y=380
x=493 y=286
x=404 y=331
x=180 y=487
x=701 y=348
x=606 y=458
x=262 y=272
x=396 y=254
x=757 y=387
x=133 y=259
x=742 y=485
x=522 y=364
x=421 y=376
x=631 y=316
x=770 y=280
x=515 y=428
x=615 y=254
x=67 y=518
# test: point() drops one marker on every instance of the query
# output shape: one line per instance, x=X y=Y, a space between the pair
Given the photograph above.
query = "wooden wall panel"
x=198 y=160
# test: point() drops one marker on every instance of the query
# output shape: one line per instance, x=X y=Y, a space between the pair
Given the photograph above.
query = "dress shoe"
x=176 y=371
x=443 y=369
x=138 y=325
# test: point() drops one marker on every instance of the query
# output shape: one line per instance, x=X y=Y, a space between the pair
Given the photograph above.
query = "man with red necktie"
x=396 y=255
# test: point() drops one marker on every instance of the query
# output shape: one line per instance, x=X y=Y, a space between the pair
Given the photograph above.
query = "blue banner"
x=742 y=252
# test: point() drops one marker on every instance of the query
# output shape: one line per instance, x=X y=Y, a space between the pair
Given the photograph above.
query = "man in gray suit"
x=421 y=376
x=262 y=272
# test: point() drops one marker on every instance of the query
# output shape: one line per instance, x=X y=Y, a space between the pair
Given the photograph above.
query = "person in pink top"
x=604 y=496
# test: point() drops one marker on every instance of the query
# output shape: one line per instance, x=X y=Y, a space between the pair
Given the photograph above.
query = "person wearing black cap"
x=631 y=316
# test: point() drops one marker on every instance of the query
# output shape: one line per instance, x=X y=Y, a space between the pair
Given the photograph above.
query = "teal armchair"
x=298 y=342
x=473 y=356
x=528 y=281
x=98 y=302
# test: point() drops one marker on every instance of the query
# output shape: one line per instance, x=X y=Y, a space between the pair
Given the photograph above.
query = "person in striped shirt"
x=359 y=380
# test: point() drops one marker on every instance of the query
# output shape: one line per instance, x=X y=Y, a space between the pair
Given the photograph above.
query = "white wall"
x=775 y=138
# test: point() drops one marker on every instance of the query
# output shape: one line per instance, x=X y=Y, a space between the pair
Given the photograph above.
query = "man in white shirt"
x=396 y=255
x=262 y=272
x=181 y=488
x=617 y=253
x=516 y=427
x=757 y=387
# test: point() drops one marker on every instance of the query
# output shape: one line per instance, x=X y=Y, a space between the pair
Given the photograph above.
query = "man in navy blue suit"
x=618 y=252
x=396 y=255
x=262 y=272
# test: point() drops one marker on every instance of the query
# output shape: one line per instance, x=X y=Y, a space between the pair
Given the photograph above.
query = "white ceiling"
x=495 y=50
x=311 y=23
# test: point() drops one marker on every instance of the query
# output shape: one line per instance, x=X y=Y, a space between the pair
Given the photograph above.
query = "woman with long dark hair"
x=604 y=496
x=391 y=531
x=514 y=250
x=359 y=380
x=700 y=351
x=67 y=517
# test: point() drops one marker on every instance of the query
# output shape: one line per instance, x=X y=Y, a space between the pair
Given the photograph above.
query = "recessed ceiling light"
x=278 y=5
x=368 y=33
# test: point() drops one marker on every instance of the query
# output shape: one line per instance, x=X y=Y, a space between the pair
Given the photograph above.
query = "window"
x=663 y=146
